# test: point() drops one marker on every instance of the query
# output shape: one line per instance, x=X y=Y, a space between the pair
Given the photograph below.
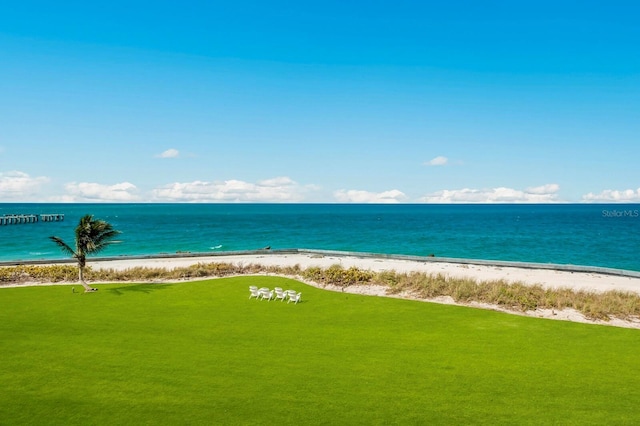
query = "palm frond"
x=93 y=236
x=64 y=246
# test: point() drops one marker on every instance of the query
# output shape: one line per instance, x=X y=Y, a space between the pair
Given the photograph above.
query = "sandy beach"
x=548 y=278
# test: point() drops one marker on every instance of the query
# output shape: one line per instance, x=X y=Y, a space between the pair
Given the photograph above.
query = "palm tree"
x=92 y=236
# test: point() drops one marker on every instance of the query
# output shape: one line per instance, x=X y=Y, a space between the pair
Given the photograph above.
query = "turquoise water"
x=577 y=234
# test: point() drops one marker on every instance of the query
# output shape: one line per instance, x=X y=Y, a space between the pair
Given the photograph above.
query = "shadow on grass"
x=284 y=303
x=138 y=288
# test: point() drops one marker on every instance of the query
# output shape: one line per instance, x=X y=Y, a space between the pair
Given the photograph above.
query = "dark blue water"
x=578 y=234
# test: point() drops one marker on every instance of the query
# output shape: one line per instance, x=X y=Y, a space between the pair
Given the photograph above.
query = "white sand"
x=547 y=278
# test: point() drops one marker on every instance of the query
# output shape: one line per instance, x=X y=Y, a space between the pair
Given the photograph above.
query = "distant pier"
x=17 y=219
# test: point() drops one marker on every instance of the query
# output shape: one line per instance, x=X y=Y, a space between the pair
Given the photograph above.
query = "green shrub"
x=38 y=273
x=338 y=276
x=314 y=274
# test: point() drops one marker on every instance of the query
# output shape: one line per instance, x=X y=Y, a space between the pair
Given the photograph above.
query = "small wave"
x=216 y=247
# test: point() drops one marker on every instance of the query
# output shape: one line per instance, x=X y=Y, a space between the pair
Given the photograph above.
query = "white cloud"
x=96 y=192
x=354 y=196
x=438 y=161
x=540 y=194
x=550 y=188
x=279 y=189
x=19 y=186
x=613 y=196
x=169 y=153
x=277 y=182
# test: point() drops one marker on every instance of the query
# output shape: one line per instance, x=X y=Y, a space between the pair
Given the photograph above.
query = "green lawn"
x=203 y=353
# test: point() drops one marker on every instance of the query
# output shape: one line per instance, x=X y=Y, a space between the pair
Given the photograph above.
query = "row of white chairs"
x=265 y=293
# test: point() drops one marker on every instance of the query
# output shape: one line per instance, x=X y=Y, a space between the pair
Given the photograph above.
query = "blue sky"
x=331 y=101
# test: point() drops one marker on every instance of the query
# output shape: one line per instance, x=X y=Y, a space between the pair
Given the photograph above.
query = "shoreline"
x=547 y=278
x=320 y=253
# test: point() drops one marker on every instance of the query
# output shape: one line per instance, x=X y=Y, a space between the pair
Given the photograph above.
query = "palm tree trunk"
x=86 y=286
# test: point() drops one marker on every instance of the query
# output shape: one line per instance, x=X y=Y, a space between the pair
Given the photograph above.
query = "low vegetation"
x=513 y=296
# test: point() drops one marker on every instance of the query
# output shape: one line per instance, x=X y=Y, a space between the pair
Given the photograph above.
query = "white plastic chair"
x=295 y=298
x=280 y=294
x=266 y=294
x=254 y=292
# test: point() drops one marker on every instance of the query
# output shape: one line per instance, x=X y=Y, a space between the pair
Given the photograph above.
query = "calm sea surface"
x=577 y=234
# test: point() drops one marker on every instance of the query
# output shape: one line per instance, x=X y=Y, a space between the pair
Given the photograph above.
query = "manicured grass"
x=203 y=353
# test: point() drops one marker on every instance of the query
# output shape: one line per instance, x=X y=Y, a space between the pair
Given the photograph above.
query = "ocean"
x=603 y=235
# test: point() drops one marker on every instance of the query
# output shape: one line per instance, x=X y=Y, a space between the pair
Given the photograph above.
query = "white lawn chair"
x=295 y=298
x=254 y=292
x=266 y=294
x=280 y=294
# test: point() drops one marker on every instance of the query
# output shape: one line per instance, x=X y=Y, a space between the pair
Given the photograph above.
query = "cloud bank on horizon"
x=17 y=186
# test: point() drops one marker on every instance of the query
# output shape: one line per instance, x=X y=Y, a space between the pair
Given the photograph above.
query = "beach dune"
x=548 y=278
